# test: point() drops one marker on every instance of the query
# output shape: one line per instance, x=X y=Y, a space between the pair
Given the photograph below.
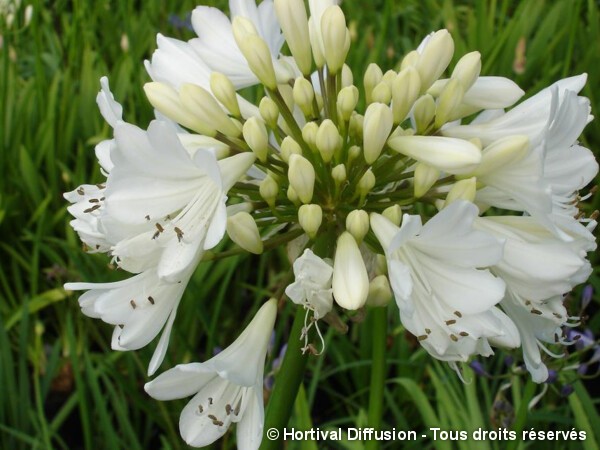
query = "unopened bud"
x=292 y=195
x=336 y=39
x=316 y=42
x=373 y=76
x=224 y=91
x=504 y=151
x=310 y=218
x=301 y=175
x=434 y=58
x=353 y=153
x=355 y=126
x=381 y=93
x=268 y=190
x=467 y=69
x=423 y=112
x=346 y=101
x=405 y=91
x=380 y=292
x=338 y=173
x=309 y=134
x=462 y=190
x=450 y=98
x=269 y=111
x=347 y=77
x=350 y=281
x=425 y=177
x=294 y=24
x=328 y=140
x=304 y=95
x=366 y=183
x=409 y=60
x=377 y=127
x=389 y=77
x=255 y=135
x=242 y=230
x=204 y=106
x=393 y=214
x=357 y=224
x=255 y=50
x=289 y=147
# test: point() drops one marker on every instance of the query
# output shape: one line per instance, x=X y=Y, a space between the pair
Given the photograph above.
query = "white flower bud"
x=328 y=140
x=303 y=95
x=380 y=292
x=376 y=129
x=434 y=58
x=336 y=39
x=425 y=177
x=309 y=134
x=393 y=214
x=381 y=93
x=255 y=50
x=462 y=190
x=203 y=105
x=502 y=152
x=373 y=76
x=289 y=147
x=268 y=190
x=255 y=135
x=467 y=69
x=224 y=91
x=357 y=224
x=423 y=112
x=347 y=77
x=350 y=279
x=366 y=183
x=301 y=174
x=353 y=153
x=455 y=156
x=355 y=126
x=242 y=230
x=292 y=195
x=405 y=91
x=450 y=98
x=310 y=218
x=389 y=77
x=294 y=24
x=346 y=101
x=409 y=60
x=316 y=42
x=338 y=173
x=166 y=100
x=269 y=111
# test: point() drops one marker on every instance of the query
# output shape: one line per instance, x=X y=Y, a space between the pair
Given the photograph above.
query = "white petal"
x=181 y=381
x=250 y=428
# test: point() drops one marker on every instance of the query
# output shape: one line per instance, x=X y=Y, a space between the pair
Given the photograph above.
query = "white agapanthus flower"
x=227 y=388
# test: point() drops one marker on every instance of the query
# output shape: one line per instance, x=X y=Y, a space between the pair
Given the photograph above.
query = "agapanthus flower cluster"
x=424 y=183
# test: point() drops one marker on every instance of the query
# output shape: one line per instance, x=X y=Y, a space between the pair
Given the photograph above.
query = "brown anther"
x=450 y=322
x=147 y=217
x=159 y=227
x=576 y=337
x=527 y=302
x=179 y=233
x=97 y=246
x=100 y=185
x=458 y=314
x=121 y=326
x=102 y=199
x=217 y=423
x=595 y=215
x=453 y=337
x=557 y=315
x=556 y=338
x=427 y=330
x=132 y=303
x=228 y=409
x=80 y=191
x=93 y=208
x=536 y=311
x=422 y=337
x=212 y=417
x=151 y=300
x=156 y=235
x=210 y=401
x=463 y=333
x=94 y=200
x=200 y=409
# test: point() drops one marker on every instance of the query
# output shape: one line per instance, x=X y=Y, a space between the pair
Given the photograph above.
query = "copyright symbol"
x=272 y=434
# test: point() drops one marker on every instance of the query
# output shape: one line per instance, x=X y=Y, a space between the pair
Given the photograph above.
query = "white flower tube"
x=227 y=388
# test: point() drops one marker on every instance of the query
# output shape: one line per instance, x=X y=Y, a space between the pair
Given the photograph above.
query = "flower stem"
x=286 y=386
x=378 y=371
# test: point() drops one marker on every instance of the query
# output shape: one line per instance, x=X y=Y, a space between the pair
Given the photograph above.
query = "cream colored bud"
x=467 y=69
x=304 y=95
x=393 y=214
x=204 y=106
x=224 y=91
x=328 y=140
x=292 y=195
x=350 y=279
x=450 y=98
x=268 y=190
x=166 y=100
x=347 y=77
x=242 y=230
x=287 y=93
x=294 y=24
x=336 y=39
x=289 y=147
x=355 y=126
x=381 y=93
x=389 y=77
x=255 y=50
x=310 y=218
x=462 y=190
x=316 y=43
x=309 y=134
x=301 y=175
x=338 y=173
x=380 y=293
x=377 y=127
x=353 y=153
x=423 y=112
x=434 y=58
x=346 y=101
x=508 y=150
x=255 y=135
x=357 y=224
x=425 y=177
x=409 y=60
x=373 y=76
x=366 y=183
x=405 y=91
x=269 y=111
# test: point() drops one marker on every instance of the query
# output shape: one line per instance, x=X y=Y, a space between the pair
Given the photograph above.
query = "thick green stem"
x=286 y=386
x=378 y=370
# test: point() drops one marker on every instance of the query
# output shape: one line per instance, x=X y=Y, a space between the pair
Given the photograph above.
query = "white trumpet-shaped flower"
x=227 y=388
x=445 y=297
